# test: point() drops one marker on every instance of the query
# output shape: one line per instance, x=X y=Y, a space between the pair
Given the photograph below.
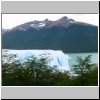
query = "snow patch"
x=38 y=25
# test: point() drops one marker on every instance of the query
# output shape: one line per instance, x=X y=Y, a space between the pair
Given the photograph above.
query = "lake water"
x=73 y=57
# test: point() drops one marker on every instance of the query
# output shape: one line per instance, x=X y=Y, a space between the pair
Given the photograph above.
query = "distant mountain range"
x=64 y=34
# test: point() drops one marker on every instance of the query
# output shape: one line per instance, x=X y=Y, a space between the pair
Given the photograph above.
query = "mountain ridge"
x=63 y=34
x=64 y=21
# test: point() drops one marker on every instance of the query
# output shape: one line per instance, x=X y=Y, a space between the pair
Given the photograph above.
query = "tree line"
x=37 y=72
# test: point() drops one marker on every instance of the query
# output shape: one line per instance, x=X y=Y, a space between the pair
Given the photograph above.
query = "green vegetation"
x=36 y=72
x=76 y=38
x=87 y=73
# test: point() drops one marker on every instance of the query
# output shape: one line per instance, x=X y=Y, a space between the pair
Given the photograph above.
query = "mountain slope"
x=64 y=34
x=4 y=30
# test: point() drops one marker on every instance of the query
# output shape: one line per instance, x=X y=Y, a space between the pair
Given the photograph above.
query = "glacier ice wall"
x=57 y=57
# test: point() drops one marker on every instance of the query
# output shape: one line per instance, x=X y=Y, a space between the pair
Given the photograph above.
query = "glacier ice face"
x=56 y=57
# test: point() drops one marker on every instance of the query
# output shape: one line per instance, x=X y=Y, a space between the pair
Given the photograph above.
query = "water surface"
x=73 y=57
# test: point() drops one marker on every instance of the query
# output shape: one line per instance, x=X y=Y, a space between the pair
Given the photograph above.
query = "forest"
x=37 y=72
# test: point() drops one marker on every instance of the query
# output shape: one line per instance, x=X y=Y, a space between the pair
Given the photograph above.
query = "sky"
x=11 y=20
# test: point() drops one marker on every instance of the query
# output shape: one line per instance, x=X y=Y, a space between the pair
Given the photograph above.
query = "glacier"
x=56 y=57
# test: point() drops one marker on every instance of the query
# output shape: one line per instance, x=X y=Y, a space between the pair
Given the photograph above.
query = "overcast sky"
x=11 y=20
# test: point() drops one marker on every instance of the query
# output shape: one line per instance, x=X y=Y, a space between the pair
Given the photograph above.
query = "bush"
x=86 y=72
x=37 y=72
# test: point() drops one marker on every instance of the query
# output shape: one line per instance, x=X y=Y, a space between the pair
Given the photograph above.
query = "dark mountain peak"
x=71 y=20
x=35 y=22
x=64 y=21
x=46 y=20
x=64 y=34
x=46 y=23
x=64 y=18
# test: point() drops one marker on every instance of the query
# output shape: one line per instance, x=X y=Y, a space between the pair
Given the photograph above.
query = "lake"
x=73 y=56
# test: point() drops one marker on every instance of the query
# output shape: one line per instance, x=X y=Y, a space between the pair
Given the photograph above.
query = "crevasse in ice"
x=56 y=57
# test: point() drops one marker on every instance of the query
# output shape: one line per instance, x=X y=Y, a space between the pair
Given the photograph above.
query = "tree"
x=37 y=72
x=62 y=78
x=85 y=73
x=83 y=66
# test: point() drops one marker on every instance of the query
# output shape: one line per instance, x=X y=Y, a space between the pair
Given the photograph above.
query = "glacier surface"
x=56 y=57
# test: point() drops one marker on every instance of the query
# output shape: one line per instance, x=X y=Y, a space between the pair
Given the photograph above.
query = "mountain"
x=4 y=30
x=63 y=34
x=64 y=21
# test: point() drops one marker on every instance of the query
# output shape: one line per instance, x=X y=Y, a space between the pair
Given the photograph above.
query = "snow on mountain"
x=38 y=25
x=64 y=21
